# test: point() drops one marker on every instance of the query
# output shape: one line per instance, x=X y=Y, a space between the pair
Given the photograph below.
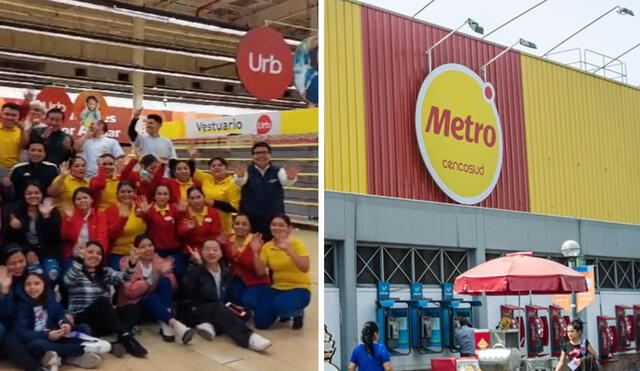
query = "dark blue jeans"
x=64 y=347
x=280 y=303
x=249 y=296
x=155 y=306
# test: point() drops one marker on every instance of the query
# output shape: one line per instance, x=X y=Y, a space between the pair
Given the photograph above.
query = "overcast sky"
x=546 y=25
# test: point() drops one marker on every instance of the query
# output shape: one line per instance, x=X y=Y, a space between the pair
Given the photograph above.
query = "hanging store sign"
x=459 y=133
x=256 y=123
x=265 y=63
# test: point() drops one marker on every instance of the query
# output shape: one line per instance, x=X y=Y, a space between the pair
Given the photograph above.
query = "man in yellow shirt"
x=11 y=135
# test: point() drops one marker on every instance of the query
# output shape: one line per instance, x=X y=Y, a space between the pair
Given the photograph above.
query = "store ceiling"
x=91 y=44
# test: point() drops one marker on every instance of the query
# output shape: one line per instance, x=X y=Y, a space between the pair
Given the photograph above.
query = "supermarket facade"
x=559 y=163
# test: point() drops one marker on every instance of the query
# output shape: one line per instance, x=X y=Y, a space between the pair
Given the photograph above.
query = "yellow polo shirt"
x=69 y=185
x=286 y=275
x=183 y=188
x=226 y=191
x=135 y=226
x=109 y=195
x=10 y=147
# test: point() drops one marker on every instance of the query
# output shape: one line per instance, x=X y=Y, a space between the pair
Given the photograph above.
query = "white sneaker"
x=206 y=330
x=97 y=346
x=184 y=333
x=167 y=332
x=258 y=343
x=87 y=360
x=51 y=361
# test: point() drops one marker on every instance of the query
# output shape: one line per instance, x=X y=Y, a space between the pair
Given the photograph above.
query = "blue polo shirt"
x=368 y=362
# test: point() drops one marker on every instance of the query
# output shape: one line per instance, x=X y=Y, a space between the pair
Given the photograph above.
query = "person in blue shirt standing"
x=370 y=356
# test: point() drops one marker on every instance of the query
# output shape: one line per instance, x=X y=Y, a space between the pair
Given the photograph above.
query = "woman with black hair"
x=35 y=224
x=370 y=356
x=220 y=191
x=207 y=292
x=43 y=327
x=72 y=177
x=12 y=277
x=81 y=223
x=577 y=353
x=88 y=284
x=149 y=293
x=124 y=221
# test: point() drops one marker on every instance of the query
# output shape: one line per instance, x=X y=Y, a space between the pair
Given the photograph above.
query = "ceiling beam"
x=279 y=12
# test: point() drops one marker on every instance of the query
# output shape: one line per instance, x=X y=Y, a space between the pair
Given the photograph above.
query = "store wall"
x=395 y=64
x=570 y=138
x=383 y=220
x=583 y=141
x=344 y=98
x=366 y=298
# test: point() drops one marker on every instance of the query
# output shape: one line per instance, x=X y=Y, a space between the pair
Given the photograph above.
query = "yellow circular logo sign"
x=459 y=133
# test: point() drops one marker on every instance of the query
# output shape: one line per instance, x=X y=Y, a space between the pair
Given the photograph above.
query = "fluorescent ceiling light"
x=123 y=68
x=159 y=18
x=121 y=44
x=70 y=79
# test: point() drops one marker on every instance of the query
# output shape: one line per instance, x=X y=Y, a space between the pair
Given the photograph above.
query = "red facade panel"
x=395 y=64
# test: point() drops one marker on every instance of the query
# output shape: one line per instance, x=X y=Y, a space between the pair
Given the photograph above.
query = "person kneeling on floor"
x=149 y=293
x=206 y=289
x=42 y=326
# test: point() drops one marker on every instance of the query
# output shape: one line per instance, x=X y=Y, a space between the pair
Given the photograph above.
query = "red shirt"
x=161 y=227
x=242 y=263
x=71 y=227
x=209 y=229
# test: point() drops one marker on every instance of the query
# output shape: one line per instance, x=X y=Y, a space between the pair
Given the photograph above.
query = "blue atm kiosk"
x=421 y=323
x=452 y=310
x=426 y=322
x=393 y=321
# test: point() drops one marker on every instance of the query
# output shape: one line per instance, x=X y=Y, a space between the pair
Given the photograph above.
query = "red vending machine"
x=636 y=324
x=558 y=329
x=511 y=319
x=624 y=325
x=537 y=331
x=607 y=338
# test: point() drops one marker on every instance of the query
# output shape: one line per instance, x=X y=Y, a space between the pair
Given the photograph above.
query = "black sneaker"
x=133 y=347
x=297 y=322
x=285 y=319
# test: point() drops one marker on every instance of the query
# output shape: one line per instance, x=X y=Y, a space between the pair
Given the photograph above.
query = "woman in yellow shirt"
x=220 y=190
x=71 y=178
x=124 y=223
x=288 y=259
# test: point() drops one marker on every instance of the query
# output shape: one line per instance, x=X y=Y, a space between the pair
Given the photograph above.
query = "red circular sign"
x=264 y=124
x=56 y=98
x=265 y=63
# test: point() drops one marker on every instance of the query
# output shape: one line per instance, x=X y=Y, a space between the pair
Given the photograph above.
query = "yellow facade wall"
x=581 y=134
x=344 y=122
x=300 y=121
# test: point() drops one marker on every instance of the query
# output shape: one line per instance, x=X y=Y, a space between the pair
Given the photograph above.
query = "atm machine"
x=537 y=331
x=607 y=338
x=426 y=322
x=393 y=316
x=625 y=328
x=636 y=324
x=558 y=323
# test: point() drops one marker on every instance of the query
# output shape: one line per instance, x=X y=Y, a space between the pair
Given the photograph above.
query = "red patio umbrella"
x=520 y=274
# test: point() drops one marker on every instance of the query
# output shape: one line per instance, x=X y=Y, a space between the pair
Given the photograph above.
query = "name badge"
x=273 y=180
x=168 y=218
x=208 y=220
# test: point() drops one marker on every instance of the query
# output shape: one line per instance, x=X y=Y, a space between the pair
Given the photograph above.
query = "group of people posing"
x=94 y=242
